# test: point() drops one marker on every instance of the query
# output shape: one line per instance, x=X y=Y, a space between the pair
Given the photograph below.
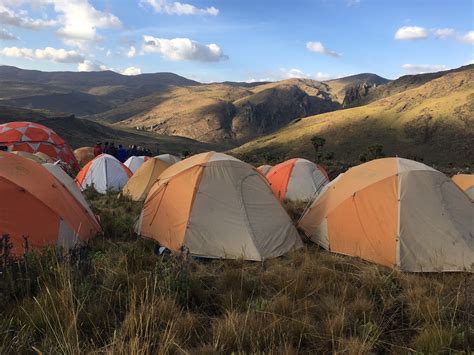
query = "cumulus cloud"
x=88 y=65
x=48 y=53
x=178 y=8
x=78 y=20
x=22 y=20
x=410 y=33
x=183 y=49
x=423 y=68
x=444 y=32
x=131 y=52
x=7 y=36
x=468 y=37
x=131 y=71
x=318 y=47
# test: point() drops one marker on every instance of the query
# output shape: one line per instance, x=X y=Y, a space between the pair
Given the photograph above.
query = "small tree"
x=373 y=151
x=318 y=143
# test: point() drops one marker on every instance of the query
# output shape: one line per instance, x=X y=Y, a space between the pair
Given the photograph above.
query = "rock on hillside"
x=350 y=90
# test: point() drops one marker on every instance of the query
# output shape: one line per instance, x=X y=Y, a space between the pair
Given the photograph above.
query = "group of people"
x=120 y=152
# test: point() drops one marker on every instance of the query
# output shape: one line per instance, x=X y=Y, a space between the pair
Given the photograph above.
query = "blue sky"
x=238 y=40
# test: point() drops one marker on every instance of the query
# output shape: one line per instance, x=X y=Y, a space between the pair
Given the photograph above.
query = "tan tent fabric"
x=44 y=157
x=169 y=158
x=217 y=206
x=466 y=183
x=140 y=183
x=84 y=155
x=29 y=156
x=264 y=169
x=397 y=213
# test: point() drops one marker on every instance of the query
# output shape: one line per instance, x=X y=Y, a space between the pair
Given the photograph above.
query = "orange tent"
x=264 y=169
x=395 y=212
x=32 y=137
x=38 y=210
x=84 y=155
x=297 y=179
x=466 y=183
x=216 y=206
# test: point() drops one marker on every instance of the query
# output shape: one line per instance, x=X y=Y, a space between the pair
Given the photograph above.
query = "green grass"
x=118 y=297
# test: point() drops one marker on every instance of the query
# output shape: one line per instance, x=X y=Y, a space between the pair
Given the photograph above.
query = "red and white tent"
x=32 y=138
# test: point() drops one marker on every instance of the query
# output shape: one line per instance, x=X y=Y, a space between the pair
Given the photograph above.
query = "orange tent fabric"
x=397 y=213
x=297 y=179
x=216 y=206
x=38 y=210
x=84 y=155
x=32 y=137
x=466 y=183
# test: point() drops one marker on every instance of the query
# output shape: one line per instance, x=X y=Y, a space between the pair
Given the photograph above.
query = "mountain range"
x=429 y=115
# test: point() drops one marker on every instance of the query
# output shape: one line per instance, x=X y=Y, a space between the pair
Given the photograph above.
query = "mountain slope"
x=83 y=93
x=82 y=132
x=399 y=85
x=218 y=112
x=350 y=89
x=433 y=121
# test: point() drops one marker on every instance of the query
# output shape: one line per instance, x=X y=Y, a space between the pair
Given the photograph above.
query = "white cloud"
x=444 y=32
x=7 y=36
x=131 y=52
x=88 y=65
x=318 y=47
x=48 y=53
x=131 y=71
x=409 y=33
x=183 y=49
x=78 y=20
x=21 y=19
x=468 y=37
x=178 y=8
x=16 y=52
x=423 y=68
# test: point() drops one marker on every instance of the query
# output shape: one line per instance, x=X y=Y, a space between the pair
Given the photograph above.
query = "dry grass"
x=120 y=297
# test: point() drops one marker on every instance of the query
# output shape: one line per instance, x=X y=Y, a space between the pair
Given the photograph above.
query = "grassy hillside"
x=399 y=85
x=82 y=132
x=120 y=298
x=433 y=122
x=218 y=112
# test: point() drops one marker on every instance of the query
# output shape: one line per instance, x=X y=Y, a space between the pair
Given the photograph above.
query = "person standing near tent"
x=121 y=153
x=98 y=149
x=112 y=150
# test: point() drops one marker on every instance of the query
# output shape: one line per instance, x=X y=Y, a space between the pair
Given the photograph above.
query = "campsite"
x=233 y=272
x=236 y=177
